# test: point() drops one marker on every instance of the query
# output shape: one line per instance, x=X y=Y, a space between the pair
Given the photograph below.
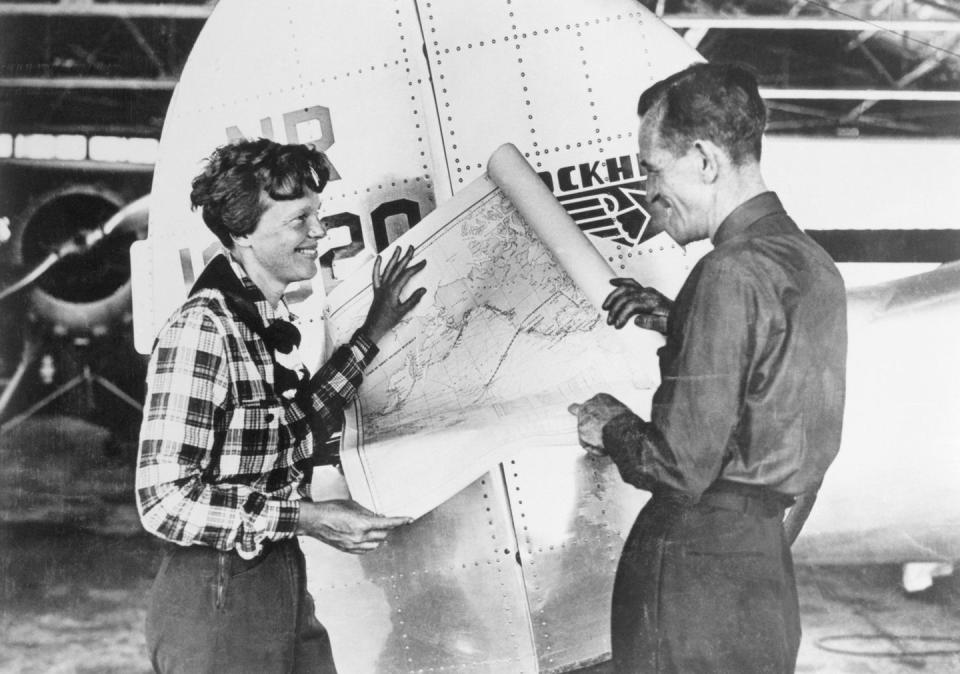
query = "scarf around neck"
x=281 y=337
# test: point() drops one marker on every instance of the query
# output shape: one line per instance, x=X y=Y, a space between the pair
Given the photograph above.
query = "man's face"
x=284 y=243
x=675 y=189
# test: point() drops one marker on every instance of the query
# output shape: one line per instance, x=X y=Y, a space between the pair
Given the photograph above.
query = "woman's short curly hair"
x=236 y=176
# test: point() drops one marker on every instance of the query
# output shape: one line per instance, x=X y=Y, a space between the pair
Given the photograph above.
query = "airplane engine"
x=81 y=234
x=67 y=303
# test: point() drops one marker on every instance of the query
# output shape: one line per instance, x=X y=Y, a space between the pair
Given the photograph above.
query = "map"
x=502 y=342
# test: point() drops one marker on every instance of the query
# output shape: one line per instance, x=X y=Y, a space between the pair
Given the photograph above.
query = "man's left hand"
x=648 y=307
x=592 y=416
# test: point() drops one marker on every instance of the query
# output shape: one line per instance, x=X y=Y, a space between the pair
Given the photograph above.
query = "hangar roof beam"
x=129 y=10
x=804 y=23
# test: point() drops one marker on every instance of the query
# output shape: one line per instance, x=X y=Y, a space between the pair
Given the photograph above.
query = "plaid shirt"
x=219 y=448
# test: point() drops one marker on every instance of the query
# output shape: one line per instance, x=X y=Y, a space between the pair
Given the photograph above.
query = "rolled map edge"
x=546 y=216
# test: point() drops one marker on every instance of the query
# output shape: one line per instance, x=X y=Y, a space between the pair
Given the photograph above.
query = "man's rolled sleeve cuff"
x=623 y=438
x=363 y=348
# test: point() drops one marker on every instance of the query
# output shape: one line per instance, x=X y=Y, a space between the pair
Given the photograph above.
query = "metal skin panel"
x=451 y=23
x=444 y=594
x=299 y=77
x=573 y=513
x=588 y=61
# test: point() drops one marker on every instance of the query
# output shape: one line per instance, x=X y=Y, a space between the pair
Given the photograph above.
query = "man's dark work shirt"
x=752 y=373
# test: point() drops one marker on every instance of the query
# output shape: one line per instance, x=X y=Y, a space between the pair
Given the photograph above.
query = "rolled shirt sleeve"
x=336 y=383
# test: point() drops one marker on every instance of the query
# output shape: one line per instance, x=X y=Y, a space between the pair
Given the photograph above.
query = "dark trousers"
x=213 y=611
x=706 y=588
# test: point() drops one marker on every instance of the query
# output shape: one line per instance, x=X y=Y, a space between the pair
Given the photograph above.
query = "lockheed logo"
x=609 y=206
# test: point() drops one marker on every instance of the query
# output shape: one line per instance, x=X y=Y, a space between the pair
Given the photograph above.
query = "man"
x=748 y=413
x=233 y=419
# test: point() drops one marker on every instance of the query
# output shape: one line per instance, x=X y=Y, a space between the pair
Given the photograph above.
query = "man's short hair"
x=715 y=102
x=236 y=176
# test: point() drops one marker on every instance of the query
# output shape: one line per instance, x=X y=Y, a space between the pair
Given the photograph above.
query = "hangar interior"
x=84 y=88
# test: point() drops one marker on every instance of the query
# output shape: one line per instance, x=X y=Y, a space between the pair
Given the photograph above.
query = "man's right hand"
x=648 y=307
x=387 y=310
x=346 y=525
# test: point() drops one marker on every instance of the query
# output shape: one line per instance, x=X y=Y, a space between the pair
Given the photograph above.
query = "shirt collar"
x=747 y=213
x=268 y=313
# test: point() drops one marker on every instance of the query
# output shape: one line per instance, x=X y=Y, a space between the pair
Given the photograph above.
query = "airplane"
x=408 y=99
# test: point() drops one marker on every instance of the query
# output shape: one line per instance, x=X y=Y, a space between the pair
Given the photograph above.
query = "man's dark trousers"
x=213 y=611
x=706 y=588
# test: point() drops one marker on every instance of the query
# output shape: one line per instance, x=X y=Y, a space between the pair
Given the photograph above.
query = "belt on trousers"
x=236 y=563
x=269 y=547
x=749 y=499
